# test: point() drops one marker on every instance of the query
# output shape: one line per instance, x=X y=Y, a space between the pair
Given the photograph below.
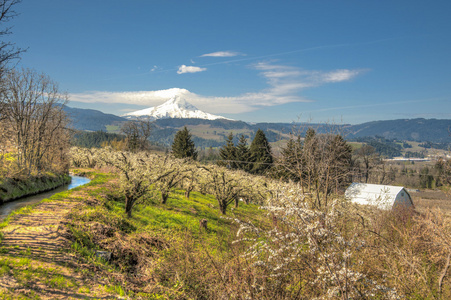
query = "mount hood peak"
x=176 y=107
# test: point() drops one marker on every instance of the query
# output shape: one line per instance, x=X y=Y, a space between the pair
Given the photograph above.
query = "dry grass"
x=426 y=199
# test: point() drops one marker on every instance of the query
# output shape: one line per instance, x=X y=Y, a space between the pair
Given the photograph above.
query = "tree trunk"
x=128 y=206
x=222 y=208
x=164 y=197
x=236 y=202
x=187 y=192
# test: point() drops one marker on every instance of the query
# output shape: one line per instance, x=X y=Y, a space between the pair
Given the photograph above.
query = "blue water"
x=8 y=207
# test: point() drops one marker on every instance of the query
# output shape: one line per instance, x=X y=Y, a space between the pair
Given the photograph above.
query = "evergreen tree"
x=183 y=146
x=310 y=156
x=227 y=153
x=242 y=154
x=292 y=162
x=339 y=154
x=260 y=153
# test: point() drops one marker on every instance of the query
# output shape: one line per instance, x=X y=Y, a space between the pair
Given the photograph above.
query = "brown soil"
x=49 y=272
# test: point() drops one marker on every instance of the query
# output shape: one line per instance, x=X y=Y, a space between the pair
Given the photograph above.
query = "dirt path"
x=33 y=260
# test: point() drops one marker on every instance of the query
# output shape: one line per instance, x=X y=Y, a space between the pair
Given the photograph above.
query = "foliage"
x=419 y=129
x=443 y=167
x=443 y=146
x=291 y=162
x=183 y=146
x=96 y=139
x=227 y=153
x=382 y=146
x=260 y=153
x=242 y=154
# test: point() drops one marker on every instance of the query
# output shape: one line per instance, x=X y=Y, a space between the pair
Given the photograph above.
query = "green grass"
x=175 y=222
x=12 y=188
x=112 y=128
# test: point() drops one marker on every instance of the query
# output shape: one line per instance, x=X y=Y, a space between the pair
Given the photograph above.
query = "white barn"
x=382 y=196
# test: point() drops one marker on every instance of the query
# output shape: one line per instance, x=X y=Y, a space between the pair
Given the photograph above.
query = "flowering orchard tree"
x=191 y=178
x=138 y=173
x=254 y=188
x=174 y=170
x=83 y=157
x=307 y=246
x=226 y=186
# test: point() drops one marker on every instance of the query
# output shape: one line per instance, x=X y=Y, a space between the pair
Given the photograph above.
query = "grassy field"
x=80 y=244
x=426 y=199
x=156 y=242
x=35 y=257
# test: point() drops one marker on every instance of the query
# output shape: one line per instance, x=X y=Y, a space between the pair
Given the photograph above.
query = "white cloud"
x=154 y=68
x=221 y=54
x=284 y=85
x=190 y=69
x=340 y=75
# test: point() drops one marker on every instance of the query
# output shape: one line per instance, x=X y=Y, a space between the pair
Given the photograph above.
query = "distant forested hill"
x=420 y=130
x=213 y=133
x=91 y=119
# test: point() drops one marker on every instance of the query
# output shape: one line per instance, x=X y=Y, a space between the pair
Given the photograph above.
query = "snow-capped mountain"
x=175 y=107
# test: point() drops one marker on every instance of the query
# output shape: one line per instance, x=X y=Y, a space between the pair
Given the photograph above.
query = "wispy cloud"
x=284 y=85
x=222 y=54
x=190 y=69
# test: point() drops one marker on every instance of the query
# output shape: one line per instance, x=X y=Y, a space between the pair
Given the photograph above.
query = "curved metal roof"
x=382 y=196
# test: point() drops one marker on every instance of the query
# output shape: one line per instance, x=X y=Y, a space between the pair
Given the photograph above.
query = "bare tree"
x=137 y=133
x=8 y=51
x=321 y=163
x=33 y=111
x=368 y=158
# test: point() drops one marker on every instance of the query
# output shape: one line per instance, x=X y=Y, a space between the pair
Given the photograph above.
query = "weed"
x=60 y=282
x=117 y=289
x=84 y=290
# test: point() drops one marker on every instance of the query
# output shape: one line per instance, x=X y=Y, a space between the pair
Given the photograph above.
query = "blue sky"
x=273 y=61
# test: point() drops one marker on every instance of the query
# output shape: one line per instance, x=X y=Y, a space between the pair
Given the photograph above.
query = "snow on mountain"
x=175 y=107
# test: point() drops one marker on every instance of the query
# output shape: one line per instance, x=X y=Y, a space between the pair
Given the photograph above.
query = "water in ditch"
x=8 y=207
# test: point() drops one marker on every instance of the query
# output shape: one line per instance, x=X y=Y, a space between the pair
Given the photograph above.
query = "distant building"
x=382 y=196
x=411 y=159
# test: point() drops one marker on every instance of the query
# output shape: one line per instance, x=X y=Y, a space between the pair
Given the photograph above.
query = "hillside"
x=212 y=133
x=91 y=119
x=419 y=130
